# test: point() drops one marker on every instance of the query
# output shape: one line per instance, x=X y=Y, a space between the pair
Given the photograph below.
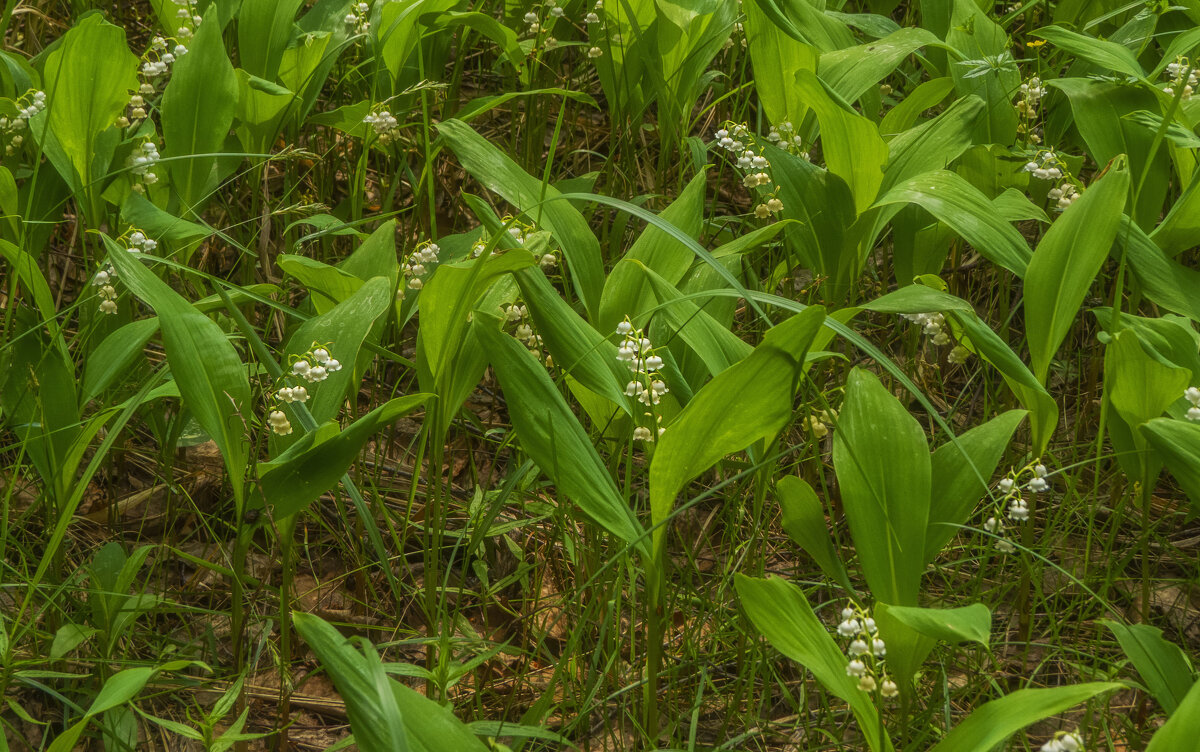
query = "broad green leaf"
x=989 y=71
x=1139 y=388
x=139 y=212
x=904 y=115
x=748 y=402
x=552 y=436
x=1066 y=262
x=850 y=72
x=342 y=331
x=317 y=462
x=1180 y=228
x=577 y=348
x=979 y=338
x=1099 y=109
x=934 y=144
x=197 y=111
x=115 y=355
x=211 y=377
x=1163 y=666
x=447 y=303
x=629 y=294
x=88 y=77
x=261 y=106
x=960 y=473
x=850 y=142
x=882 y=464
x=804 y=520
x=119 y=689
x=1183 y=727
x=499 y=174
x=953 y=625
x=777 y=58
x=327 y=285
x=264 y=28
x=822 y=207
x=995 y=721
x=714 y=343
x=1110 y=56
x=375 y=716
x=1164 y=281
x=968 y=212
x=779 y=610
x=1178 y=442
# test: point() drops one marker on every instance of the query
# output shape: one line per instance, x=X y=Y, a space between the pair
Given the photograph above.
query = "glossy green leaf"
x=745 y=403
x=1183 y=727
x=850 y=142
x=882 y=464
x=1110 y=56
x=1163 y=666
x=317 y=462
x=777 y=58
x=264 y=28
x=210 y=374
x=116 y=353
x=498 y=173
x=552 y=436
x=804 y=520
x=779 y=610
x=1178 y=442
x=88 y=77
x=577 y=348
x=197 y=111
x=342 y=330
x=968 y=212
x=961 y=471
x=1066 y=262
x=852 y=71
x=933 y=145
x=953 y=625
x=995 y=721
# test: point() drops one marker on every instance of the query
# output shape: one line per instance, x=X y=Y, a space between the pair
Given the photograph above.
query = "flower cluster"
x=1031 y=93
x=312 y=366
x=141 y=165
x=1063 y=195
x=739 y=32
x=385 y=125
x=785 y=137
x=315 y=365
x=188 y=13
x=1192 y=395
x=818 y=424
x=108 y=294
x=1071 y=741
x=517 y=316
x=1046 y=165
x=646 y=383
x=416 y=266
x=1012 y=504
x=867 y=652
x=156 y=62
x=138 y=242
x=733 y=138
x=1182 y=75
x=30 y=104
x=932 y=324
x=358 y=18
